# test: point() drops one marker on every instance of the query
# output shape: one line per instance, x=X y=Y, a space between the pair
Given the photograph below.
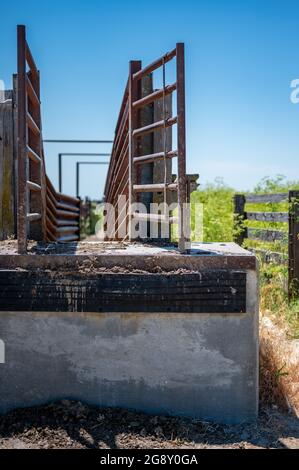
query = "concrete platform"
x=133 y=326
x=109 y=255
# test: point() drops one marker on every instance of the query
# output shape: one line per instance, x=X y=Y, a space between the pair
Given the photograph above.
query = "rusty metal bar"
x=155 y=218
x=156 y=126
x=32 y=124
x=29 y=57
x=134 y=94
x=181 y=145
x=122 y=162
x=33 y=186
x=154 y=188
x=82 y=154
x=155 y=157
x=154 y=65
x=114 y=157
x=22 y=143
x=72 y=141
x=33 y=217
x=155 y=96
x=33 y=155
x=69 y=207
x=31 y=93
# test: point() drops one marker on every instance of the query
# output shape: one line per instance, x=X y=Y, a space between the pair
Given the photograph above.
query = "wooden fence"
x=243 y=231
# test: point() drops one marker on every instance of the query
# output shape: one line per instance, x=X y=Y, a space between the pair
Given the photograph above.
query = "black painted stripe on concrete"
x=212 y=291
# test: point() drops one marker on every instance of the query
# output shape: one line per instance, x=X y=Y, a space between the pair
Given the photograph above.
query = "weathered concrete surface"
x=196 y=365
x=202 y=364
x=108 y=255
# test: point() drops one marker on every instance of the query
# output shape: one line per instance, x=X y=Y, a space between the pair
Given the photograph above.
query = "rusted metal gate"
x=43 y=214
x=123 y=175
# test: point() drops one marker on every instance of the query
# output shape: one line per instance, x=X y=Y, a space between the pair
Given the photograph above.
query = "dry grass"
x=279 y=366
x=279 y=343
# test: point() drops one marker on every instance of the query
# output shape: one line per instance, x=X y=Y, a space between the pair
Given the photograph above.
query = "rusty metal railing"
x=43 y=214
x=124 y=174
x=63 y=216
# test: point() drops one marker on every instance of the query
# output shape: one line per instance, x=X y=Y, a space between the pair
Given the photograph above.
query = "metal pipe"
x=22 y=143
x=60 y=155
x=56 y=141
x=78 y=173
x=181 y=136
x=154 y=65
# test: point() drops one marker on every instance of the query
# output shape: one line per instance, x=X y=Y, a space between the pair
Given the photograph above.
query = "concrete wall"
x=200 y=365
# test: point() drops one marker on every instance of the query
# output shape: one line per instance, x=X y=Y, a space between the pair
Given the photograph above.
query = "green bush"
x=217 y=203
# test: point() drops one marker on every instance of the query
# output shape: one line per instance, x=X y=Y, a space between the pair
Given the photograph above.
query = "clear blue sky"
x=240 y=59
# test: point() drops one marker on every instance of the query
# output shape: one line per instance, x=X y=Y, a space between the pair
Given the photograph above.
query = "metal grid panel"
x=43 y=214
x=122 y=176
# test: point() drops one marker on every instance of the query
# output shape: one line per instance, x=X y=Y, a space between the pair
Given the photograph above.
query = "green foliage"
x=278 y=184
x=217 y=203
x=88 y=224
x=274 y=297
x=218 y=220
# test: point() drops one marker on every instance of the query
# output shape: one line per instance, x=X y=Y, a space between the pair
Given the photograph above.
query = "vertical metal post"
x=22 y=142
x=293 y=287
x=181 y=135
x=77 y=179
x=134 y=67
x=60 y=172
x=79 y=221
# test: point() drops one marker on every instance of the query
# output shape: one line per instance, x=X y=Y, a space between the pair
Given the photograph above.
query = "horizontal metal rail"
x=32 y=124
x=33 y=186
x=155 y=218
x=33 y=155
x=33 y=217
x=156 y=126
x=155 y=65
x=74 y=154
x=63 y=214
x=74 y=141
x=31 y=93
x=29 y=57
x=154 y=188
x=155 y=157
x=156 y=95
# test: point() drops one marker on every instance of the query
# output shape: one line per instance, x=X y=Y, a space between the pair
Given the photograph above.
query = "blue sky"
x=241 y=57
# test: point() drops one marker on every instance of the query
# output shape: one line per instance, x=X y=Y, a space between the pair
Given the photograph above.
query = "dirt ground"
x=68 y=424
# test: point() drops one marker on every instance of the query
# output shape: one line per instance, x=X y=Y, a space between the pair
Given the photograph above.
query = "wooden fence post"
x=240 y=232
x=293 y=286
